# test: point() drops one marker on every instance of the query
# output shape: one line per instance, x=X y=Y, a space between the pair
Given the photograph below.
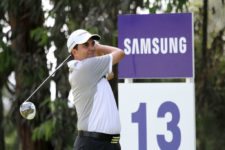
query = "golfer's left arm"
x=117 y=54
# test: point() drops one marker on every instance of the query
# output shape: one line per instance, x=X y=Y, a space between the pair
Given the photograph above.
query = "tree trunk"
x=29 y=70
x=205 y=35
x=204 y=68
x=2 y=142
x=204 y=61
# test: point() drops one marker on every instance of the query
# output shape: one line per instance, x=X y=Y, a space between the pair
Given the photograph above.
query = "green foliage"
x=210 y=79
x=40 y=35
x=44 y=131
x=5 y=58
x=11 y=140
x=59 y=117
x=65 y=118
x=166 y=6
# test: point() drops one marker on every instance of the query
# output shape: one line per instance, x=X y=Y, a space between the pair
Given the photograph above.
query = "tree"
x=23 y=17
x=209 y=52
x=6 y=66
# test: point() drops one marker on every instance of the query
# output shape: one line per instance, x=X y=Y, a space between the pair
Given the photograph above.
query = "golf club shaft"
x=47 y=79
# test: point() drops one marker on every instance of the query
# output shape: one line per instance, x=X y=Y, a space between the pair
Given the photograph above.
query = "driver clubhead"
x=28 y=110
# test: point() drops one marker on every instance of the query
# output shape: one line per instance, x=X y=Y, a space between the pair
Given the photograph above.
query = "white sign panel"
x=157 y=116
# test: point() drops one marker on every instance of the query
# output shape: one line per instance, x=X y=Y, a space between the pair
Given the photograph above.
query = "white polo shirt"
x=93 y=97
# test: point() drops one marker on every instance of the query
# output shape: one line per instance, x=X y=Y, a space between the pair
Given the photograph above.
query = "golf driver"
x=28 y=109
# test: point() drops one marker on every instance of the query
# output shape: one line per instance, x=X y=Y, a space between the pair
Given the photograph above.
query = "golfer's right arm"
x=117 y=54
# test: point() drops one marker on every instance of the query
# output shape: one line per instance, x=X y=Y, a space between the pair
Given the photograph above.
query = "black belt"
x=112 y=138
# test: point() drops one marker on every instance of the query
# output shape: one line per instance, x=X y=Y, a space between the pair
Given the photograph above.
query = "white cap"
x=80 y=36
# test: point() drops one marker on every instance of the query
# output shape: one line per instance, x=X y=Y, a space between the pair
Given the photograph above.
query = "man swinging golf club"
x=98 y=122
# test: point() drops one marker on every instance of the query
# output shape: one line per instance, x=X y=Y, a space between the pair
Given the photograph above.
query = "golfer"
x=98 y=118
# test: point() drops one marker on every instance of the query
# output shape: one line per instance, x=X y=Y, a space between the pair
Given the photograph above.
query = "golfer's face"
x=86 y=50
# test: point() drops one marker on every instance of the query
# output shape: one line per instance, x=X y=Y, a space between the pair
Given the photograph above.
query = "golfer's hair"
x=72 y=56
x=75 y=47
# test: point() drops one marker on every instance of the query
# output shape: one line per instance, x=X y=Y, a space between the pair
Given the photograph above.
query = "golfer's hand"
x=110 y=76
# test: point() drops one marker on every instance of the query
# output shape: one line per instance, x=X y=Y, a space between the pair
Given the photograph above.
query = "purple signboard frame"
x=156 y=45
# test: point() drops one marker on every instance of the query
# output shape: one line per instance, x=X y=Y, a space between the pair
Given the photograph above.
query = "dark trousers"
x=88 y=143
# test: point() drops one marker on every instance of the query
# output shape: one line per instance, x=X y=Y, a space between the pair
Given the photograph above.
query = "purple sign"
x=156 y=45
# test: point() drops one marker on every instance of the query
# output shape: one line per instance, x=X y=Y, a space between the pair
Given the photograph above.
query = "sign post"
x=157 y=116
x=156 y=46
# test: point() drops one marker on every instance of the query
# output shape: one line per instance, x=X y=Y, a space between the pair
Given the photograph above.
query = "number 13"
x=140 y=117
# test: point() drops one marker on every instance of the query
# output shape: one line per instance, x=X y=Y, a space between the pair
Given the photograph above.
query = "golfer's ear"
x=74 y=51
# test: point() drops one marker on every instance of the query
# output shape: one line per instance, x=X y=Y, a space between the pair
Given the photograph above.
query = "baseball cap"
x=80 y=36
